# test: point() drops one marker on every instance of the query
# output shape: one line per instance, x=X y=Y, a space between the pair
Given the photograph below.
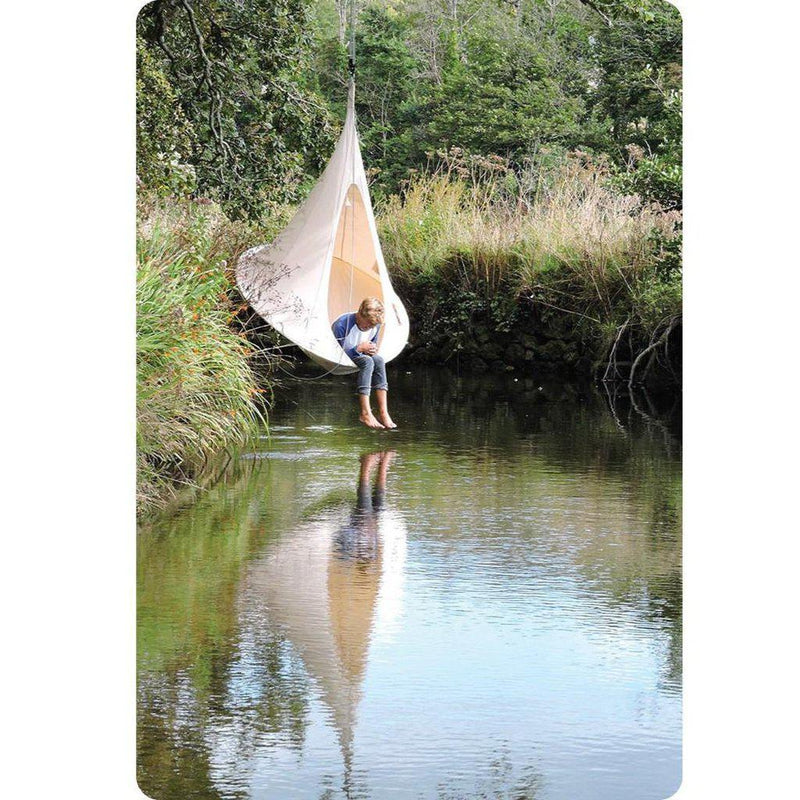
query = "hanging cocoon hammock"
x=325 y=262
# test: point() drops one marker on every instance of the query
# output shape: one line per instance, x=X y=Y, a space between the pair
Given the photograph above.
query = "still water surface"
x=484 y=603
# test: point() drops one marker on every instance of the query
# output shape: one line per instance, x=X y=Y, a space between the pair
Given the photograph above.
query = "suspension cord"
x=351 y=64
x=350 y=193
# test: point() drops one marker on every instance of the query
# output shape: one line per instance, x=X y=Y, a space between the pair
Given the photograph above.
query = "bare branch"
x=612 y=358
x=651 y=347
x=215 y=105
x=605 y=17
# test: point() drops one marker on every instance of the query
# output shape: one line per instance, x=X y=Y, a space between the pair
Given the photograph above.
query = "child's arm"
x=375 y=336
x=340 y=328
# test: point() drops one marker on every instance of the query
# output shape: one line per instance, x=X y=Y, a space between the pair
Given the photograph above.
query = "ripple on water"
x=280 y=455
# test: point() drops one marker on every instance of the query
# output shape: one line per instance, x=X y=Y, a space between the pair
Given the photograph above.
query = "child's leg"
x=366 y=367
x=383 y=408
x=379 y=373
x=381 y=386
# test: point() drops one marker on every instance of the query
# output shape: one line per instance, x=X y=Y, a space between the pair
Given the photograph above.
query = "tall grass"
x=195 y=388
x=559 y=234
x=450 y=210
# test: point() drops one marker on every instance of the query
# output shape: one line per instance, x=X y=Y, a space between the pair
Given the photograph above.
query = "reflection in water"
x=358 y=540
x=493 y=610
x=324 y=584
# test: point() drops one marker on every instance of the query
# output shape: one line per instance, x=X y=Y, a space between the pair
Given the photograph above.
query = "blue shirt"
x=342 y=326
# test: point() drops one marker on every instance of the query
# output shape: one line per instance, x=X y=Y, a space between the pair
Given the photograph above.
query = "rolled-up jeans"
x=371 y=373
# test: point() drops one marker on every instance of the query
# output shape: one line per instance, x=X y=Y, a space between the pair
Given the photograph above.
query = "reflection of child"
x=358 y=539
x=357 y=334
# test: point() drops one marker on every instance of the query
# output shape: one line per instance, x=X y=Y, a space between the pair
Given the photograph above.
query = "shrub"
x=164 y=136
x=195 y=388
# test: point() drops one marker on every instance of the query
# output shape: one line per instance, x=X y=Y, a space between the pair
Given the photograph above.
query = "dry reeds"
x=558 y=232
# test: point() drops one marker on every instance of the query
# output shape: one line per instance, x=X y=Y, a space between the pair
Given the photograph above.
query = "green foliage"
x=256 y=84
x=386 y=96
x=640 y=77
x=657 y=178
x=514 y=78
x=195 y=389
x=520 y=103
x=668 y=253
x=658 y=299
x=614 y=10
x=164 y=136
x=240 y=73
x=658 y=175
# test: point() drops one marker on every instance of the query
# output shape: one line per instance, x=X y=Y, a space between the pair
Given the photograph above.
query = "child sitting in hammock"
x=357 y=334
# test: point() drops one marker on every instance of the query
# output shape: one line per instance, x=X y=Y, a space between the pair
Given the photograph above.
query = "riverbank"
x=555 y=269
x=196 y=389
x=568 y=275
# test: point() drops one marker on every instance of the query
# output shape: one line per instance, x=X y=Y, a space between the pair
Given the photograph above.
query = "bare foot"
x=387 y=421
x=370 y=421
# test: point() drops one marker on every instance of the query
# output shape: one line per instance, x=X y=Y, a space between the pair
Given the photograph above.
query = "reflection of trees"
x=571 y=424
x=665 y=602
x=188 y=568
x=630 y=441
x=189 y=657
x=180 y=727
x=172 y=759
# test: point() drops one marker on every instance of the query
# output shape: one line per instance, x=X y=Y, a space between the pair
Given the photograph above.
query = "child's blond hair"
x=371 y=308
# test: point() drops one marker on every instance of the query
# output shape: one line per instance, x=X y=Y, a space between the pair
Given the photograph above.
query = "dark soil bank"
x=504 y=333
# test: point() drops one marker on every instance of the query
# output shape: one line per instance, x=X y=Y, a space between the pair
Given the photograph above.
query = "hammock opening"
x=354 y=269
x=352 y=597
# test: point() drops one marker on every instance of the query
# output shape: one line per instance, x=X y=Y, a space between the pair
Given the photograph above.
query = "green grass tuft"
x=195 y=387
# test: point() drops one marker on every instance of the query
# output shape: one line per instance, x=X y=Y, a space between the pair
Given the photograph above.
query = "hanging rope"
x=351 y=99
x=351 y=63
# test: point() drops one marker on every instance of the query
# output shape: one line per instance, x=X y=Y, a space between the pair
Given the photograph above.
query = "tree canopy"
x=241 y=99
x=241 y=74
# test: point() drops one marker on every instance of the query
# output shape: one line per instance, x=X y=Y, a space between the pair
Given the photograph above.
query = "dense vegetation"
x=526 y=166
x=196 y=390
x=562 y=272
x=241 y=100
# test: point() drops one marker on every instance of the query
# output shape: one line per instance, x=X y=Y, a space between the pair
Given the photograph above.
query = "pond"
x=484 y=603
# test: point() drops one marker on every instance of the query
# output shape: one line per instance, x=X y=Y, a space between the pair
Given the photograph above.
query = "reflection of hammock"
x=330 y=608
x=325 y=262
